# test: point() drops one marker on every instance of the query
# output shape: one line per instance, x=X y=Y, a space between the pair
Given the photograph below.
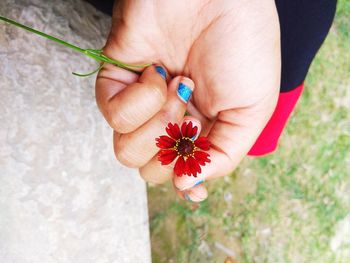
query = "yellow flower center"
x=185 y=147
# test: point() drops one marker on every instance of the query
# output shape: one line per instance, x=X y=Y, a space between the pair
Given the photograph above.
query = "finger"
x=137 y=148
x=205 y=122
x=231 y=137
x=157 y=173
x=196 y=194
x=127 y=106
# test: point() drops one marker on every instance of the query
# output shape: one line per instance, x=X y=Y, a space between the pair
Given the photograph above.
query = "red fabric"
x=268 y=139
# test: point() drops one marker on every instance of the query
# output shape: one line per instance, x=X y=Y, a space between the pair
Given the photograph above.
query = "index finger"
x=127 y=100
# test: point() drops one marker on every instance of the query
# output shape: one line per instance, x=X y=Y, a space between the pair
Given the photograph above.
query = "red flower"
x=189 y=153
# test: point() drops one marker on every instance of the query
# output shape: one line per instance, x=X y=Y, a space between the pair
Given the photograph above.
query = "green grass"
x=291 y=206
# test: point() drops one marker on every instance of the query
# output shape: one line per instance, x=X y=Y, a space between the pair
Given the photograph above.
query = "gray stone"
x=63 y=196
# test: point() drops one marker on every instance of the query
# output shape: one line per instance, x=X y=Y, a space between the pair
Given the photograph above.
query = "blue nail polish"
x=198 y=183
x=161 y=71
x=184 y=92
x=187 y=197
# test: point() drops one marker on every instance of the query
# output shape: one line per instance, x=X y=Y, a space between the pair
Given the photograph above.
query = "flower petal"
x=202 y=143
x=188 y=130
x=173 y=130
x=201 y=157
x=191 y=131
x=166 y=156
x=194 y=166
x=187 y=169
x=165 y=142
x=179 y=166
x=183 y=128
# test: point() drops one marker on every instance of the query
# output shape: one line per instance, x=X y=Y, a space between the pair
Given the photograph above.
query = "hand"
x=230 y=49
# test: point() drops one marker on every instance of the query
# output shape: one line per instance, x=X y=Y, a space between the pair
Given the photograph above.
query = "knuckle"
x=118 y=122
x=154 y=175
x=112 y=118
x=125 y=157
x=158 y=92
x=155 y=180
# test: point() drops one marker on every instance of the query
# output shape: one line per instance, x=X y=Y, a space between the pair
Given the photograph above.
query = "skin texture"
x=228 y=52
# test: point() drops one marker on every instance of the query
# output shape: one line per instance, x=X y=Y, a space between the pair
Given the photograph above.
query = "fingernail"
x=161 y=71
x=198 y=183
x=184 y=92
x=194 y=137
x=187 y=197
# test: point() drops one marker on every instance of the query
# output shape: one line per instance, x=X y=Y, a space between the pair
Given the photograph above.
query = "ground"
x=291 y=206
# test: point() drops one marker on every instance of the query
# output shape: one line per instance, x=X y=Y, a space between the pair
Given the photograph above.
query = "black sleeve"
x=304 y=26
x=105 y=6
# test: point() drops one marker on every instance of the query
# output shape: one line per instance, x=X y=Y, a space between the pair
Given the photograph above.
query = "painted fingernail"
x=184 y=92
x=161 y=71
x=187 y=197
x=198 y=183
x=195 y=136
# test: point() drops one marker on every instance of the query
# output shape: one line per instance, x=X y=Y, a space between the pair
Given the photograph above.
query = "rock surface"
x=63 y=197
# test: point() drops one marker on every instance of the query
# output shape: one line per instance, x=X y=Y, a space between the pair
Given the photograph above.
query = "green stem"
x=95 y=54
x=88 y=74
x=76 y=48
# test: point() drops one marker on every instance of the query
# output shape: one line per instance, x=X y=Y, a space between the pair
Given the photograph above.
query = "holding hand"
x=229 y=49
